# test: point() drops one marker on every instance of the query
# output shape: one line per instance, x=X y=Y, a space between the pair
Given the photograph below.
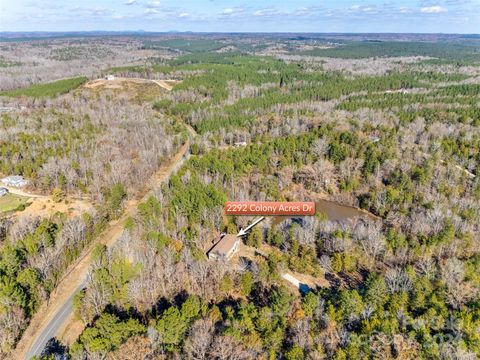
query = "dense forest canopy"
x=390 y=129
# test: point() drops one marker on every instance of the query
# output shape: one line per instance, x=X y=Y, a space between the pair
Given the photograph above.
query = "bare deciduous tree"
x=397 y=280
x=200 y=337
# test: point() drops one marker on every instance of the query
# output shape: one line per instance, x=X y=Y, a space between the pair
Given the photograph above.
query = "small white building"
x=3 y=191
x=14 y=181
x=110 y=77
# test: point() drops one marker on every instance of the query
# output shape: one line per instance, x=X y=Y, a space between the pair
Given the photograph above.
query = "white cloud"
x=364 y=8
x=99 y=11
x=266 y=12
x=152 y=4
x=433 y=9
x=151 y=11
x=232 y=12
x=85 y=12
x=183 y=15
x=307 y=11
x=300 y=12
x=130 y=2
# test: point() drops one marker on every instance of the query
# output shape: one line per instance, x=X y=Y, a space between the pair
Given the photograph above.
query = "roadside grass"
x=51 y=89
x=12 y=202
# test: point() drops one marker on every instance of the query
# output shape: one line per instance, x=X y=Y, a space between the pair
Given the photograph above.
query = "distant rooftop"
x=14 y=180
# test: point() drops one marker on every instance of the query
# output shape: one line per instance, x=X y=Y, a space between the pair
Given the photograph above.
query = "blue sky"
x=430 y=16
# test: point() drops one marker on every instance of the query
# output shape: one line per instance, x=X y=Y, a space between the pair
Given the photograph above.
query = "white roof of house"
x=14 y=180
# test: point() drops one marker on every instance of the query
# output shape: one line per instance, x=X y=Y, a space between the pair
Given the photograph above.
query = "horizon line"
x=227 y=32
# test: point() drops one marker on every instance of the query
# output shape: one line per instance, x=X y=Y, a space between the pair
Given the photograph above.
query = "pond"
x=335 y=212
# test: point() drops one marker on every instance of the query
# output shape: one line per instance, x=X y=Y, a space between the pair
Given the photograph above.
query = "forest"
x=49 y=89
x=396 y=138
x=455 y=52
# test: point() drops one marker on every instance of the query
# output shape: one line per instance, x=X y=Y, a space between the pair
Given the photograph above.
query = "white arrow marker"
x=244 y=232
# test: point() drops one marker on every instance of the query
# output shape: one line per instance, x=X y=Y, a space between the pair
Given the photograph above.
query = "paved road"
x=54 y=326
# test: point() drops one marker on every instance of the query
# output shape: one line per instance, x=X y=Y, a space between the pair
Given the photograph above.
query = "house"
x=225 y=248
x=3 y=191
x=14 y=181
x=110 y=77
x=240 y=144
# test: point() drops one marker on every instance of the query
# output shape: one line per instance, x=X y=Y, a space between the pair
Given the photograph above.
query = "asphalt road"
x=54 y=325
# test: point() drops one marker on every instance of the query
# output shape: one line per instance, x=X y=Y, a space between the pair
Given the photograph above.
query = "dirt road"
x=53 y=314
x=117 y=82
x=166 y=84
x=20 y=192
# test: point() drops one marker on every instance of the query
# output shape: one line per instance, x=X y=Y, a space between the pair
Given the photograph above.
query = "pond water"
x=335 y=212
x=339 y=212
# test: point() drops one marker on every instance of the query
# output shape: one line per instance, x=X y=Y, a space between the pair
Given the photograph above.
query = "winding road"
x=58 y=310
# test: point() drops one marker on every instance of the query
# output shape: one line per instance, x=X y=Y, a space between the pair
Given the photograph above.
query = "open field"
x=122 y=83
x=46 y=207
x=11 y=203
x=22 y=203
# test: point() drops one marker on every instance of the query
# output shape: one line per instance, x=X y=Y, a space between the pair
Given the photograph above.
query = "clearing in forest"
x=122 y=83
x=45 y=207
x=12 y=202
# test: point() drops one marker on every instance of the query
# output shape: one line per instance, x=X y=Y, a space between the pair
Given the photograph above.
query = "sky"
x=412 y=16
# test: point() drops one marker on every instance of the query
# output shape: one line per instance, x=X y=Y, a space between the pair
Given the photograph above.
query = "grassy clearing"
x=51 y=89
x=137 y=91
x=11 y=202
